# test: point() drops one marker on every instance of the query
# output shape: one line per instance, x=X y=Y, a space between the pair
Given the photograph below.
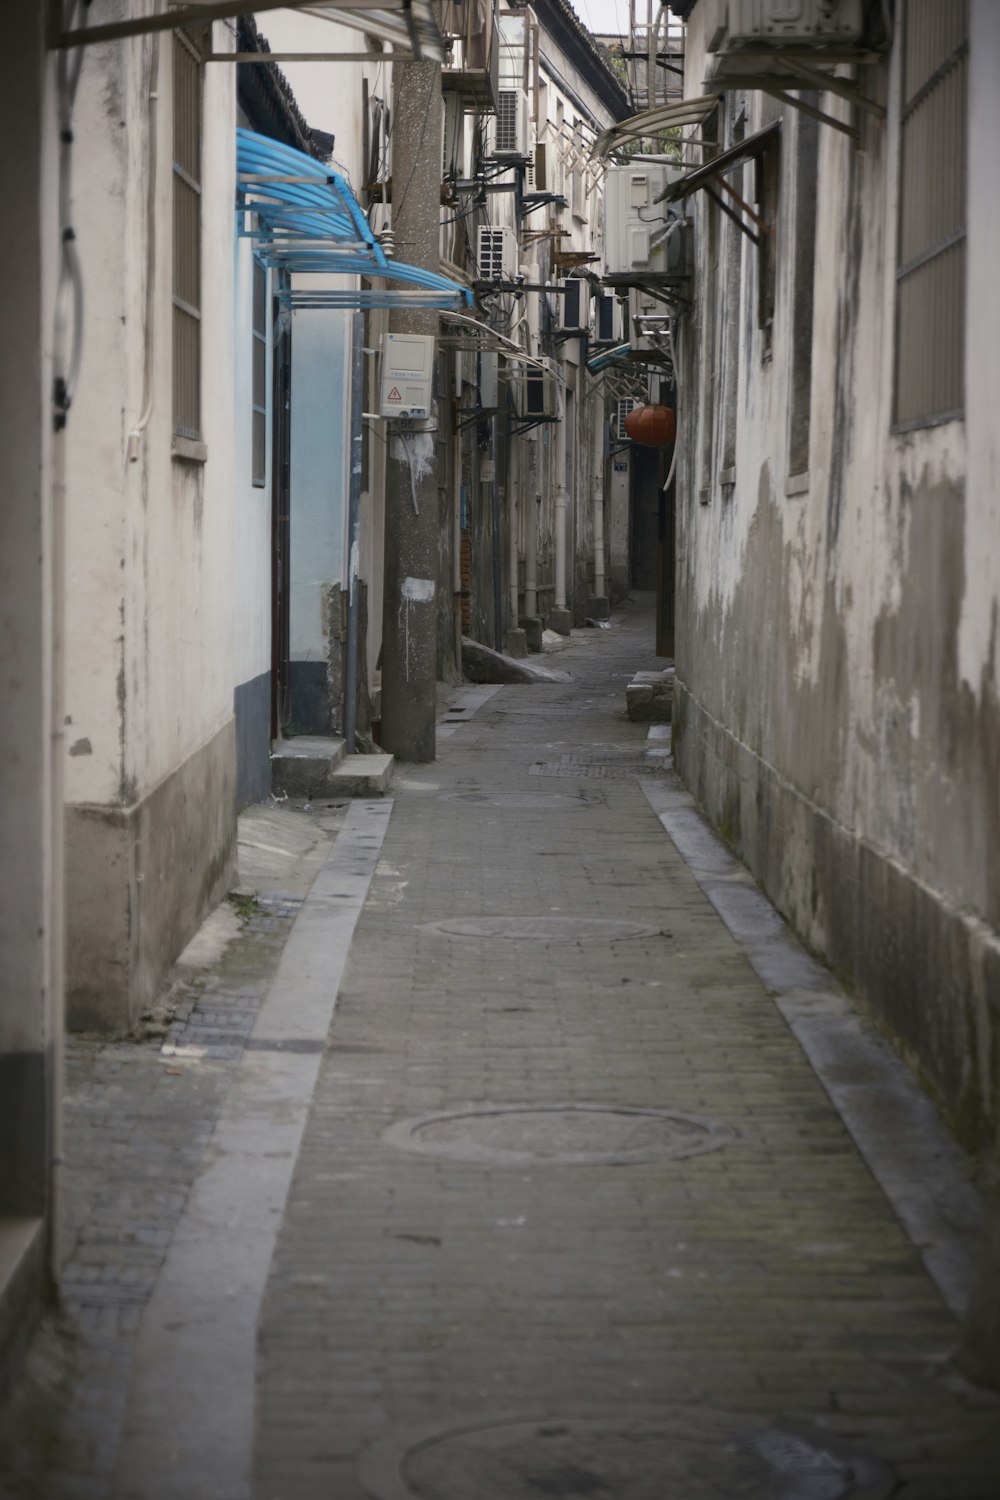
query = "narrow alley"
x=569 y=1211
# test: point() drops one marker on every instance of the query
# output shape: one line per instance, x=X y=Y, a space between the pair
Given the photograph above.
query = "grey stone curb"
x=189 y=1426
x=918 y=1166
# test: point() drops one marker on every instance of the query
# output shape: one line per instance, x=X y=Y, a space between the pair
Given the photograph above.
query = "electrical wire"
x=397 y=211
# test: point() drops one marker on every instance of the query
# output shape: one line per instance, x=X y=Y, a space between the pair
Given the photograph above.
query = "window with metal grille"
x=187 y=239
x=258 y=435
x=930 y=274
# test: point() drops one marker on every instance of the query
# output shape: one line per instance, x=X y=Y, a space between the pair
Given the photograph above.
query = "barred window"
x=258 y=436
x=187 y=239
x=930 y=274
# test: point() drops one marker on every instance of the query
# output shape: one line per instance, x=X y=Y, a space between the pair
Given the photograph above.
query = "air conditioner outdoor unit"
x=497 y=255
x=743 y=25
x=608 y=319
x=623 y=406
x=510 y=129
x=636 y=239
x=540 y=390
x=576 y=304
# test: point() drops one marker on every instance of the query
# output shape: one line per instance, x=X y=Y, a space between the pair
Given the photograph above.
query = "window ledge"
x=188 y=450
x=797 y=484
x=728 y=476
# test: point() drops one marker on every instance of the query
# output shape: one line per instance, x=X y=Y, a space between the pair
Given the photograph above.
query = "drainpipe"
x=456 y=504
x=531 y=548
x=598 y=468
x=513 y=502
x=562 y=500
x=354 y=535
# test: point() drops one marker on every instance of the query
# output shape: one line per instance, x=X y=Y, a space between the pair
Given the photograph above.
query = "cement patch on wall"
x=139 y=881
x=252 y=716
x=928 y=969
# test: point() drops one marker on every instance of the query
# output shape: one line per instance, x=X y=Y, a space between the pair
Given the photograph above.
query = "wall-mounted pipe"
x=562 y=500
x=597 y=470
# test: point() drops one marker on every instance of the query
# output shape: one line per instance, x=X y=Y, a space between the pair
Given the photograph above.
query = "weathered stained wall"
x=31 y=944
x=838 y=651
x=149 y=762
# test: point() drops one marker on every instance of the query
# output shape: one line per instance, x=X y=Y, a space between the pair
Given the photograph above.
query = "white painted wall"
x=150 y=595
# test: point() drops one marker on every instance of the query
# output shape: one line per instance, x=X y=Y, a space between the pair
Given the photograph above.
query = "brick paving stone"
x=770 y=1279
x=136 y=1124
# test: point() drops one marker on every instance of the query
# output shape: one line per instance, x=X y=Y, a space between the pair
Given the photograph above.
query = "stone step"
x=650 y=696
x=305 y=766
x=363 y=776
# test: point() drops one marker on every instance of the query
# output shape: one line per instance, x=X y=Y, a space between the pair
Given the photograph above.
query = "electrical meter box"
x=407 y=375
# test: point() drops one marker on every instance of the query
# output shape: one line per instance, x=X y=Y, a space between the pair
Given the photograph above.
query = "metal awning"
x=303 y=218
x=709 y=176
x=410 y=25
x=750 y=146
x=653 y=122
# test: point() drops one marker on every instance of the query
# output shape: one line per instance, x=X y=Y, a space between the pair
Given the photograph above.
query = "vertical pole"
x=514 y=501
x=597 y=402
x=495 y=529
x=412 y=530
x=354 y=534
x=562 y=500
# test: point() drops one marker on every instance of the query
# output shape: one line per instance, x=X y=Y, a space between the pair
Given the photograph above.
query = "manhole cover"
x=656 y=1455
x=528 y=800
x=562 y=1134
x=543 y=929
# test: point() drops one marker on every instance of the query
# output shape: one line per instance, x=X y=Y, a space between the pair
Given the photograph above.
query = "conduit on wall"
x=302 y=217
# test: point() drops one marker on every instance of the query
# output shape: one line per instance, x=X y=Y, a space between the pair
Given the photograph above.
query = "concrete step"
x=305 y=766
x=650 y=696
x=363 y=776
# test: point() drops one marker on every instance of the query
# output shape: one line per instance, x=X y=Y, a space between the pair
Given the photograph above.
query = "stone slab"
x=304 y=766
x=363 y=775
x=480 y=664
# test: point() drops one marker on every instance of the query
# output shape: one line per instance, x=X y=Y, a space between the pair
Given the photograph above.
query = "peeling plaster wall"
x=838 y=648
x=150 y=548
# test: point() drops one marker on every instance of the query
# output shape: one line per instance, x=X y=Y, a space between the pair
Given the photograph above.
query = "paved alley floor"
x=570 y=1213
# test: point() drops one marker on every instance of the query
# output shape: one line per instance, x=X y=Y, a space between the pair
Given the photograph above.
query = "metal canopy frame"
x=709 y=178
x=652 y=122
x=409 y=25
x=784 y=74
x=302 y=217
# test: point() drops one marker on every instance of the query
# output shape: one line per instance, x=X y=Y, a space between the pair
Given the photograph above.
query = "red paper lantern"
x=651 y=426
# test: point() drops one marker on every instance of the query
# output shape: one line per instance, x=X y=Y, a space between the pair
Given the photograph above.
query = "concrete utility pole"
x=412 y=522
